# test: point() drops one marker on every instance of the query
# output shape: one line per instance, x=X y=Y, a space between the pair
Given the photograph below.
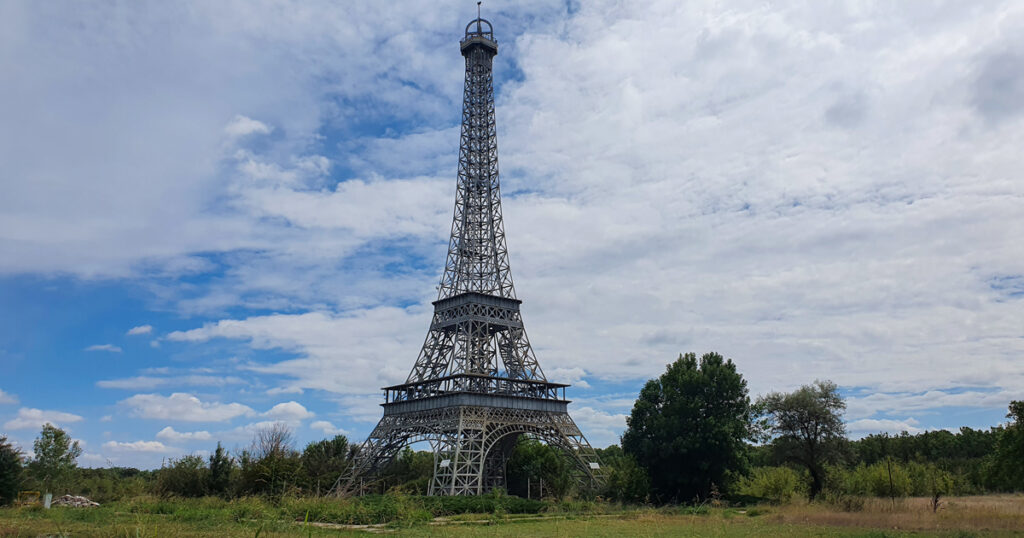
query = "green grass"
x=503 y=516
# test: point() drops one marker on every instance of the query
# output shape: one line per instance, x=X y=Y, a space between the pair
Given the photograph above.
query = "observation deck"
x=475 y=390
x=480 y=36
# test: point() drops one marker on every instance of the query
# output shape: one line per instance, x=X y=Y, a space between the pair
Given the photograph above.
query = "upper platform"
x=479 y=33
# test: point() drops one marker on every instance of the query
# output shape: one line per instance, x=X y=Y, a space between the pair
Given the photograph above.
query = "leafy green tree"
x=1007 y=468
x=221 y=467
x=186 y=476
x=531 y=462
x=324 y=461
x=410 y=471
x=55 y=458
x=626 y=481
x=688 y=427
x=11 y=471
x=807 y=426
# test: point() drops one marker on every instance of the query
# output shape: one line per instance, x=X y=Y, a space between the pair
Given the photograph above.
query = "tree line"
x=693 y=435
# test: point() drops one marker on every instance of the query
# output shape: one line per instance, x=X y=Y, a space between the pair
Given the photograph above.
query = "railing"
x=474 y=384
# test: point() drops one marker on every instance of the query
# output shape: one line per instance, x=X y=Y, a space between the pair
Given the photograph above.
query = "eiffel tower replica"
x=476 y=386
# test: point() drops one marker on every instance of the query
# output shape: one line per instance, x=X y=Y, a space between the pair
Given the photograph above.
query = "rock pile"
x=73 y=501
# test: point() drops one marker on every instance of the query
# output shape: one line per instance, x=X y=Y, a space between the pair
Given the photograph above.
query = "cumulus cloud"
x=33 y=419
x=600 y=427
x=91 y=459
x=141 y=329
x=170 y=435
x=7 y=398
x=366 y=345
x=867 y=405
x=183 y=407
x=138 y=446
x=104 y=347
x=241 y=126
x=288 y=412
x=327 y=428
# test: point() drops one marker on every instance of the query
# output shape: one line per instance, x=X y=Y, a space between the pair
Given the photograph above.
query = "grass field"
x=994 y=515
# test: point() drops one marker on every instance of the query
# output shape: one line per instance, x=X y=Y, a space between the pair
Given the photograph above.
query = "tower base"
x=471 y=446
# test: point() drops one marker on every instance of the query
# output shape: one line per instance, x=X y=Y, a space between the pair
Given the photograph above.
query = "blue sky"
x=220 y=215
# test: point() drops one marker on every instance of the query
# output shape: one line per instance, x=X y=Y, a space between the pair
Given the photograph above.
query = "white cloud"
x=284 y=390
x=601 y=428
x=151 y=382
x=288 y=412
x=90 y=459
x=248 y=432
x=868 y=426
x=327 y=428
x=859 y=406
x=104 y=347
x=366 y=345
x=572 y=376
x=138 y=446
x=170 y=435
x=7 y=398
x=183 y=407
x=33 y=419
x=241 y=126
x=141 y=329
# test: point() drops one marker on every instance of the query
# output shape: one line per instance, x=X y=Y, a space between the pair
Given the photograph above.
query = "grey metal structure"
x=476 y=386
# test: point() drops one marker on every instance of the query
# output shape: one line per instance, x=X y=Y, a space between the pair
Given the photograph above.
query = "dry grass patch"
x=981 y=513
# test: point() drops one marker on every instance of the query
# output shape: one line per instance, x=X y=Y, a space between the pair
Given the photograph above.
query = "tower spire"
x=476 y=386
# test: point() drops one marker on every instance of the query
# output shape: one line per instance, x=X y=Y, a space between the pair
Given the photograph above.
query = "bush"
x=843 y=501
x=107 y=485
x=626 y=481
x=776 y=484
x=927 y=480
x=271 y=466
x=882 y=479
x=246 y=508
x=184 y=477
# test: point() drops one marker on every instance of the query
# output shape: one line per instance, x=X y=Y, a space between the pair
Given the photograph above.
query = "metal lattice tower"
x=476 y=386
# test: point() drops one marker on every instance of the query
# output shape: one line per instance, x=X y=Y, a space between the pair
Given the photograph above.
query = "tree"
x=271 y=464
x=532 y=461
x=324 y=461
x=410 y=471
x=688 y=427
x=808 y=427
x=55 y=457
x=11 y=471
x=625 y=481
x=1007 y=468
x=221 y=466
